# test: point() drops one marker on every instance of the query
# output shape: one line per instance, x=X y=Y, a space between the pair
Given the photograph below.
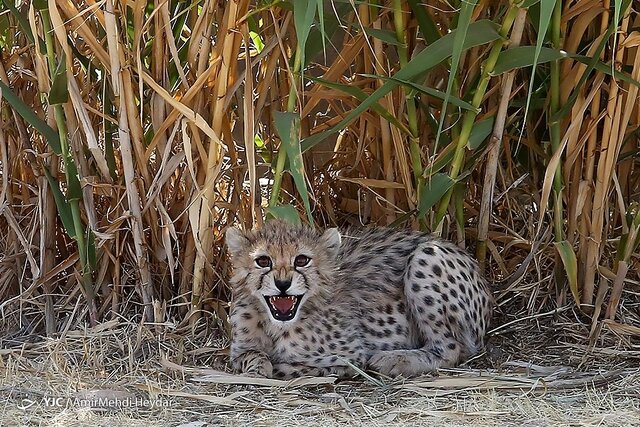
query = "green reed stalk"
x=282 y=153
x=555 y=137
x=412 y=114
x=554 y=125
x=73 y=185
x=469 y=117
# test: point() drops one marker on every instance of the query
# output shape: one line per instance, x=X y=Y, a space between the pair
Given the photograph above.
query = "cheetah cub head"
x=282 y=266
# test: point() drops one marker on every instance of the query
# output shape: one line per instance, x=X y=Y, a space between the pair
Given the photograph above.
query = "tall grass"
x=133 y=133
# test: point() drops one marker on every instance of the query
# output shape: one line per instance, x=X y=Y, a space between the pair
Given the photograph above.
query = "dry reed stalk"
x=122 y=91
x=386 y=138
x=226 y=49
x=630 y=105
x=610 y=147
x=249 y=131
x=491 y=166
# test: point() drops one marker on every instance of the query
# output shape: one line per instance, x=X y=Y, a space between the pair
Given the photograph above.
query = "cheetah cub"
x=311 y=303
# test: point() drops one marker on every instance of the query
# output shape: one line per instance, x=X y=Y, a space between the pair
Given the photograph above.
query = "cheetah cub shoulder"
x=315 y=303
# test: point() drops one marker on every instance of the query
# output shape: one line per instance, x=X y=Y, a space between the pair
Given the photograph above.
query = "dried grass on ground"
x=534 y=375
x=169 y=112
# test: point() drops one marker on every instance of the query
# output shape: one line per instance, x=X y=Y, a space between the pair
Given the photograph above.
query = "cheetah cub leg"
x=318 y=366
x=440 y=352
x=449 y=304
x=286 y=370
x=254 y=363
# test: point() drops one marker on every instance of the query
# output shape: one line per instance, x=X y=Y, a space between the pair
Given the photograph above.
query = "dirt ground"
x=122 y=374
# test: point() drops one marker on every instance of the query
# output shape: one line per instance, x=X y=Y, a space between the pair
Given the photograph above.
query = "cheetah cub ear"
x=331 y=240
x=236 y=241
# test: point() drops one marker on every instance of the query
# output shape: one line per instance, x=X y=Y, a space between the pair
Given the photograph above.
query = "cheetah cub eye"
x=263 y=261
x=301 y=261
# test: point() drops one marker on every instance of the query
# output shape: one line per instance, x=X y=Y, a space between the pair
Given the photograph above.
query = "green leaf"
x=480 y=131
x=592 y=63
x=5 y=27
x=304 y=12
x=434 y=188
x=254 y=33
x=528 y=3
x=257 y=41
x=329 y=25
x=62 y=205
x=630 y=241
x=525 y=56
x=570 y=263
x=284 y=212
x=617 y=9
x=320 y=6
x=288 y=128
x=50 y=135
x=80 y=57
x=633 y=215
x=546 y=11
x=426 y=90
x=59 y=93
x=428 y=28
x=92 y=259
x=361 y=95
x=22 y=19
x=407 y=216
x=74 y=191
x=180 y=16
x=41 y=4
x=464 y=20
x=386 y=36
x=445 y=156
x=478 y=33
x=606 y=69
x=259 y=142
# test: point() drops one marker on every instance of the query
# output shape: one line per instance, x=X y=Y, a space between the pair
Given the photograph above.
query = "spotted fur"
x=396 y=302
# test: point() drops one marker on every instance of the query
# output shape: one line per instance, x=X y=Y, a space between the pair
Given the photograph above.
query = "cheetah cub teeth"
x=392 y=301
x=283 y=307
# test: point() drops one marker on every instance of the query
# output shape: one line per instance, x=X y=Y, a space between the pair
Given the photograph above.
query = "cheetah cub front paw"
x=256 y=365
x=407 y=363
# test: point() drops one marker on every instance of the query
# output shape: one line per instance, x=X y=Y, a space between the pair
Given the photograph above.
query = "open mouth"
x=283 y=307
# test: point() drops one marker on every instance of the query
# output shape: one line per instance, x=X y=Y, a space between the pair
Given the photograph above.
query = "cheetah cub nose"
x=282 y=285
